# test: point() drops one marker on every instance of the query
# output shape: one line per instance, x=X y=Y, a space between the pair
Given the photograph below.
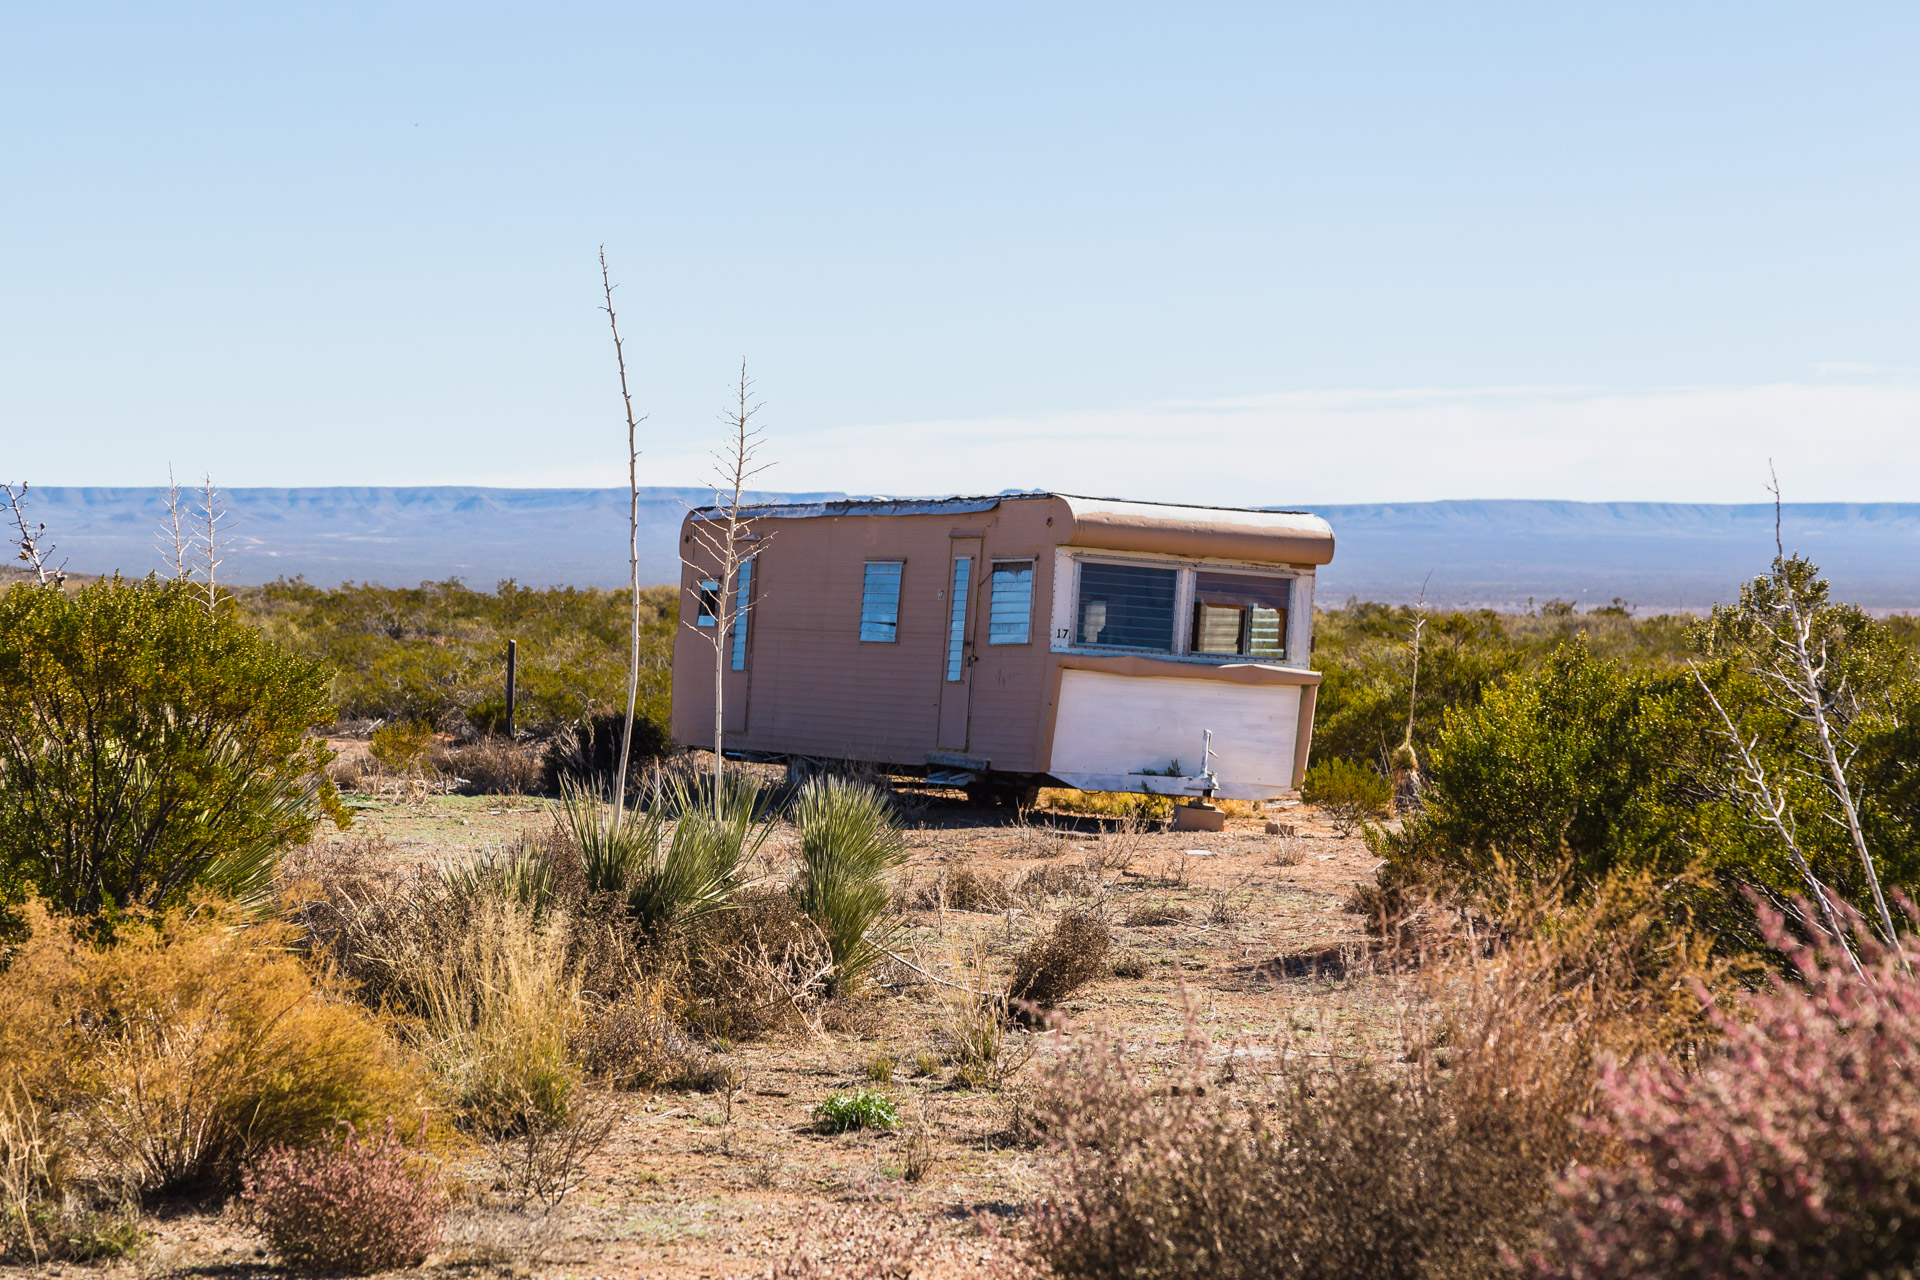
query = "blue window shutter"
x=957 y=626
x=740 y=611
x=1011 y=606
x=880 y=601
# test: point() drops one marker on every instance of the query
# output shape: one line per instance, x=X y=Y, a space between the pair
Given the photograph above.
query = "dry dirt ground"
x=1252 y=943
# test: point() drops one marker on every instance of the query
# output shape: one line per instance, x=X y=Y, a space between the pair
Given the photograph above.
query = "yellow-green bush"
x=188 y=1046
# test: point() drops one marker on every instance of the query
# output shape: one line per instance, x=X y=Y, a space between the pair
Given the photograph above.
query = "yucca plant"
x=848 y=841
x=673 y=861
x=525 y=873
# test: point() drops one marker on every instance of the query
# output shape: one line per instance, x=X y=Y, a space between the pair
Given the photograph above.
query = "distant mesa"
x=1659 y=556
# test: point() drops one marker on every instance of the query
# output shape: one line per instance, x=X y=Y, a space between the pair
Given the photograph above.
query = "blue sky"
x=1246 y=253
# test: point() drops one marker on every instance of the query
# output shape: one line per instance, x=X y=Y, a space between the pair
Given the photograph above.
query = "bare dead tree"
x=31 y=539
x=721 y=532
x=633 y=544
x=1790 y=639
x=176 y=530
x=1769 y=803
x=214 y=527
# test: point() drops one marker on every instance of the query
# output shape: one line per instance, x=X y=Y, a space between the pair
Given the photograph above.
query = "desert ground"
x=1242 y=931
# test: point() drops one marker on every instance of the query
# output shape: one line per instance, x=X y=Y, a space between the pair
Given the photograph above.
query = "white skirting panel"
x=1110 y=725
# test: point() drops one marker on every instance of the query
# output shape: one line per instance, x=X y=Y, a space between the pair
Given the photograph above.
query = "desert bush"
x=401 y=745
x=963 y=888
x=1150 y=914
x=149 y=745
x=848 y=841
x=1792 y=1149
x=47 y=1213
x=491 y=766
x=587 y=755
x=349 y=1206
x=872 y=1244
x=437 y=652
x=973 y=1035
x=861 y=1109
x=635 y=1042
x=189 y=1046
x=1349 y=793
x=1429 y=1156
x=1071 y=955
x=755 y=970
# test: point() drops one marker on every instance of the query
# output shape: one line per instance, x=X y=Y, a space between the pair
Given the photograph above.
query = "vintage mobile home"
x=1005 y=642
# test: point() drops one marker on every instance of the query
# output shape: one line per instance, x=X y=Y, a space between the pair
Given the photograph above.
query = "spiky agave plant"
x=675 y=860
x=848 y=840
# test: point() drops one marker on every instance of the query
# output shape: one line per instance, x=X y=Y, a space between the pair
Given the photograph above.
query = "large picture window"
x=1126 y=606
x=1236 y=613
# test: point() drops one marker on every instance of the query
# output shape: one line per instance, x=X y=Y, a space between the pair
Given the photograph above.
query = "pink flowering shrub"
x=1793 y=1150
x=354 y=1206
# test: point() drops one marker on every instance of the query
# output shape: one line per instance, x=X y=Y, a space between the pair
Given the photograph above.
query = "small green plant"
x=925 y=1063
x=879 y=1067
x=1349 y=793
x=861 y=1109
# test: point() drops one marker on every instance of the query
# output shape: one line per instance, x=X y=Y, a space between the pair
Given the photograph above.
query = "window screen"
x=1012 y=606
x=709 y=604
x=880 y=601
x=1240 y=613
x=957 y=624
x=740 y=611
x=1126 y=606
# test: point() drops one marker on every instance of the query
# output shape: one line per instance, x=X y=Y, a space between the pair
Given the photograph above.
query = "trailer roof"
x=1281 y=537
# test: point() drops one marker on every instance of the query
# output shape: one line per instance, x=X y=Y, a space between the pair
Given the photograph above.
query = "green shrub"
x=437 y=652
x=848 y=841
x=861 y=1109
x=674 y=861
x=401 y=745
x=148 y=745
x=1350 y=793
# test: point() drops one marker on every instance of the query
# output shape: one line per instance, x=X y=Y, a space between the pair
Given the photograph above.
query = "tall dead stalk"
x=31 y=539
x=214 y=526
x=176 y=530
x=633 y=545
x=721 y=532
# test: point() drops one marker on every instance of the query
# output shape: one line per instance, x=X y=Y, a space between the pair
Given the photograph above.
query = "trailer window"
x=1240 y=614
x=957 y=619
x=1126 y=606
x=1009 y=620
x=709 y=604
x=741 y=602
x=880 y=601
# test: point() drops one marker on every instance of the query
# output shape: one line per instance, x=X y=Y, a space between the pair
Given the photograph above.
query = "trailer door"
x=956 y=656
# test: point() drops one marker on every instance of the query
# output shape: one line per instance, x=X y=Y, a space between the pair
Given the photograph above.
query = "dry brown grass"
x=1071 y=955
x=491 y=766
x=186 y=1047
x=1428 y=1156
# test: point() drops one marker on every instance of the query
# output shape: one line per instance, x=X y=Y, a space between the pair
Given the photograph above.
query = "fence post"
x=513 y=663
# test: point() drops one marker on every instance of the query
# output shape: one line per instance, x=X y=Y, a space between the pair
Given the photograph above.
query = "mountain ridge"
x=1479 y=552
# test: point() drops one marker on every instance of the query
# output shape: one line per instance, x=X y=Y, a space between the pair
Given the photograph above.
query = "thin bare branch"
x=31 y=539
x=176 y=533
x=633 y=543
x=1772 y=806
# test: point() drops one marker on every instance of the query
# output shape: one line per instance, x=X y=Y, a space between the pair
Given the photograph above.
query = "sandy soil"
x=703 y=1185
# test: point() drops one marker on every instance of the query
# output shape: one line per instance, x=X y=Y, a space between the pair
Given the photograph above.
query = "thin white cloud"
x=1830 y=442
